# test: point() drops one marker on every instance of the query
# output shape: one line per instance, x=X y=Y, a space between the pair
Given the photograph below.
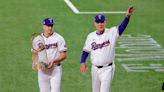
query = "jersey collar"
x=100 y=33
x=47 y=36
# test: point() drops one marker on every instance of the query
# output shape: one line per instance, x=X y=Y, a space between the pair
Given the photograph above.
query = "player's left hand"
x=130 y=10
x=50 y=64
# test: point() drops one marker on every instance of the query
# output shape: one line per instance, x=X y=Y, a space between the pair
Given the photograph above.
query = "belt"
x=104 y=66
x=58 y=64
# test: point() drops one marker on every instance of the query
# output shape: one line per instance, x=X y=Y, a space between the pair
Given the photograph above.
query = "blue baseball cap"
x=100 y=17
x=48 y=22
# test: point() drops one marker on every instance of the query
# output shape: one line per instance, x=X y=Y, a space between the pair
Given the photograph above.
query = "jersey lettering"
x=47 y=46
x=99 y=46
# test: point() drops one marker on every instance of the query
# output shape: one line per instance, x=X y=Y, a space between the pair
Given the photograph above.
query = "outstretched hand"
x=130 y=10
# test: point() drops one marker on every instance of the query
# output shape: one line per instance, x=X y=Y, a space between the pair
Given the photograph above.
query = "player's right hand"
x=83 y=68
x=130 y=10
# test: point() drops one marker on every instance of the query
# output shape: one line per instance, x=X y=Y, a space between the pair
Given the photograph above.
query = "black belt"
x=104 y=66
x=58 y=64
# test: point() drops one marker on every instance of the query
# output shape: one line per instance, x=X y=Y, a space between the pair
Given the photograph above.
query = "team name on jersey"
x=47 y=46
x=99 y=46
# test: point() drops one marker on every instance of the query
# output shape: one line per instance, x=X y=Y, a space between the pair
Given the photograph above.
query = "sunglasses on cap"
x=99 y=21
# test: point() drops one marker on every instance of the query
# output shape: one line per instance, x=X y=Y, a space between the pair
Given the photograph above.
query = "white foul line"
x=104 y=12
x=76 y=11
x=73 y=8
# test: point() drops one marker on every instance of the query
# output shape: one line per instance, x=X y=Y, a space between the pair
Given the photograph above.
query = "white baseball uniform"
x=50 y=81
x=102 y=53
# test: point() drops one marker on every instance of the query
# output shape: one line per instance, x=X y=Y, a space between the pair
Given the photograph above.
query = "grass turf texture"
x=20 y=18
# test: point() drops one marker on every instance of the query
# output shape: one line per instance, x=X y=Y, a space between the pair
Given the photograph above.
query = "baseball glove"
x=33 y=36
x=39 y=46
x=43 y=66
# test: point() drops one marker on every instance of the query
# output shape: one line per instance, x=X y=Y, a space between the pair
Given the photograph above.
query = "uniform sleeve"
x=123 y=25
x=87 y=45
x=115 y=32
x=35 y=43
x=62 y=45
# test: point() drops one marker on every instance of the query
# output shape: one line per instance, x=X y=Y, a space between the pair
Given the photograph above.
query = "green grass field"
x=20 y=18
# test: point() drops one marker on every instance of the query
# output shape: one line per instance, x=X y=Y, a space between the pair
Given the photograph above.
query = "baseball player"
x=101 y=46
x=56 y=51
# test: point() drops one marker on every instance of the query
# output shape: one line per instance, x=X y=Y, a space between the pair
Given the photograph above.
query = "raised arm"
x=125 y=22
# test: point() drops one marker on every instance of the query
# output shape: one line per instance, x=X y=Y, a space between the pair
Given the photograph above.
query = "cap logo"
x=99 y=16
x=50 y=20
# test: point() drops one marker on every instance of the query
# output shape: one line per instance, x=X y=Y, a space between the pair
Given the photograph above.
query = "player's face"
x=100 y=25
x=48 y=29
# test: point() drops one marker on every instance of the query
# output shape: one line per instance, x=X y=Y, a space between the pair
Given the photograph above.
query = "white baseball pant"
x=102 y=78
x=51 y=81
